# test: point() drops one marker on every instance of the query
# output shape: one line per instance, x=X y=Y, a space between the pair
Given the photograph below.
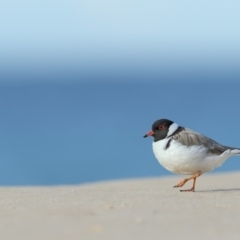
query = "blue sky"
x=82 y=132
x=90 y=35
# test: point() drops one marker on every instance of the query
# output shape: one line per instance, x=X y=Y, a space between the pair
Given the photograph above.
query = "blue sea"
x=82 y=128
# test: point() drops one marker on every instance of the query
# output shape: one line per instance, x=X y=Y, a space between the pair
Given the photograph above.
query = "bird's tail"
x=231 y=152
x=235 y=151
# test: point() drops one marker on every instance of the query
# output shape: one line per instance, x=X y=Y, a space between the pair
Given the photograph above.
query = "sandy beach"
x=126 y=209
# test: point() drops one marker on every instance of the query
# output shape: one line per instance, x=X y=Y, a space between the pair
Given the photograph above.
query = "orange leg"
x=181 y=183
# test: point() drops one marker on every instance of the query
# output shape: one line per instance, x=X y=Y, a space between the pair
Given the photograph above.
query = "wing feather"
x=189 y=138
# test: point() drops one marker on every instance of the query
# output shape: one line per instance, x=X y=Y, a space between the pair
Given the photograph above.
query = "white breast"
x=181 y=159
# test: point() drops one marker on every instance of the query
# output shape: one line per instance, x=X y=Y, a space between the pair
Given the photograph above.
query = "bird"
x=183 y=151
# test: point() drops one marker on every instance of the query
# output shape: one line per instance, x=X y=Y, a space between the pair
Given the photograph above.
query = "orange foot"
x=181 y=183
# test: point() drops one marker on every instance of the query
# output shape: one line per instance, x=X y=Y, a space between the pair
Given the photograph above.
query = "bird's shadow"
x=219 y=190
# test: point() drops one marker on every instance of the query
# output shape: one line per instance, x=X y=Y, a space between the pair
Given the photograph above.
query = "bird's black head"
x=159 y=129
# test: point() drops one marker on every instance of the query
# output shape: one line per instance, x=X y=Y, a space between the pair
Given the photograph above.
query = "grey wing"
x=189 y=138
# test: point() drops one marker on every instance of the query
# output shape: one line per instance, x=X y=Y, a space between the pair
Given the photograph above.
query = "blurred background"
x=81 y=82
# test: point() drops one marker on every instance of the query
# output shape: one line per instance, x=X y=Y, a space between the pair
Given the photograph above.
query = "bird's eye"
x=161 y=127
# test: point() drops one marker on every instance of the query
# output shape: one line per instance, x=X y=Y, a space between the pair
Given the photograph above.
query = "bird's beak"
x=150 y=133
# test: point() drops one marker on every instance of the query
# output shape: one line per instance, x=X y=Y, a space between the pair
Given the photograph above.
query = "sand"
x=127 y=209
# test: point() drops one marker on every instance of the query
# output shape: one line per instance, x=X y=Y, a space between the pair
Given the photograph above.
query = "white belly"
x=186 y=160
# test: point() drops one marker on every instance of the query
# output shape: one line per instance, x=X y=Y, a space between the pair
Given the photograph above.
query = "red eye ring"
x=161 y=127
